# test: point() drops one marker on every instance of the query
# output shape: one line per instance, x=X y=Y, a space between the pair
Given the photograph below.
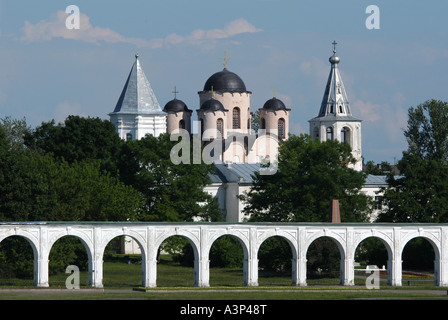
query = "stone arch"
x=79 y=236
x=34 y=247
x=244 y=242
x=190 y=236
x=422 y=234
x=341 y=245
x=108 y=237
x=32 y=240
x=85 y=240
x=373 y=234
x=193 y=245
x=385 y=241
x=292 y=242
x=435 y=243
x=337 y=238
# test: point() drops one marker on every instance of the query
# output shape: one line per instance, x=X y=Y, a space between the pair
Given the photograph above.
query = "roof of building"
x=234 y=172
x=244 y=173
x=335 y=102
x=225 y=81
x=274 y=104
x=137 y=96
x=212 y=105
x=175 y=105
x=372 y=180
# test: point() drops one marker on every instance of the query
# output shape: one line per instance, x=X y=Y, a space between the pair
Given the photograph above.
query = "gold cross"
x=225 y=60
x=212 y=92
x=175 y=92
x=275 y=91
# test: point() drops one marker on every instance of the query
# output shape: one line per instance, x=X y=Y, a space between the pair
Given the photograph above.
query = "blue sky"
x=49 y=72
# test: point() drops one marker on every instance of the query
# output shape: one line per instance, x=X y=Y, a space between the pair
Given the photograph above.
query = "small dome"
x=274 y=104
x=212 y=105
x=334 y=59
x=225 y=81
x=175 y=105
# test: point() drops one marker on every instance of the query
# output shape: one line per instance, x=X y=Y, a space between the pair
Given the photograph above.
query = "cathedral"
x=224 y=119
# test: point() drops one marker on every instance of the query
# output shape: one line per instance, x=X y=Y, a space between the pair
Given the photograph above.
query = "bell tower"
x=335 y=120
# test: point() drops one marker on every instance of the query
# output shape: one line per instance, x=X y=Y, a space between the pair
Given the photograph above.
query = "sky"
x=48 y=71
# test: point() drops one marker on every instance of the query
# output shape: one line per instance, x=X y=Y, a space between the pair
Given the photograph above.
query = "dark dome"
x=175 y=105
x=274 y=104
x=212 y=105
x=225 y=81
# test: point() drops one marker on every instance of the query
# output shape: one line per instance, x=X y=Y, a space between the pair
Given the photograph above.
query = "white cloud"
x=200 y=36
x=55 y=27
x=368 y=111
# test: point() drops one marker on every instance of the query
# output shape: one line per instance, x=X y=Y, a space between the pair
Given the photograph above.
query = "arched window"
x=316 y=133
x=182 y=124
x=129 y=136
x=220 y=126
x=329 y=133
x=263 y=124
x=202 y=129
x=236 y=118
x=345 y=135
x=281 y=128
x=340 y=109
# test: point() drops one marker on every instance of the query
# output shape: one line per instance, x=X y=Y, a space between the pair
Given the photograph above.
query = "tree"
x=77 y=139
x=310 y=174
x=427 y=130
x=172 y=192
x=420 y=193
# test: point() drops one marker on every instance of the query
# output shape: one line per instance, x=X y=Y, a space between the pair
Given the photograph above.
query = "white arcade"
x=96 y=235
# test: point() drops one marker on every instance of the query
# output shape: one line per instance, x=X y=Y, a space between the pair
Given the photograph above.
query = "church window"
x=281 y=128
x=202 y=126
x=129 y=136
x=331 y=109
x=316 y=133
x=219 y=126
x=329 y=133
x=182 y=124
x=236 y=118
x=263 y=124
x=345 y=135
x=340 y=109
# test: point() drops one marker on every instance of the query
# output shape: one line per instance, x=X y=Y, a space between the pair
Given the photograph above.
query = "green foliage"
x=427 y=130
x=275 y=254
x=310 y=174
x=78 y=139
x=16 y=258
x=323 y=255
x=226 y=252
x=420 y=193
x=172 y=192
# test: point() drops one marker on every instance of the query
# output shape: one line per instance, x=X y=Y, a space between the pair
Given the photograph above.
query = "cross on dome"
x=225 y=60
